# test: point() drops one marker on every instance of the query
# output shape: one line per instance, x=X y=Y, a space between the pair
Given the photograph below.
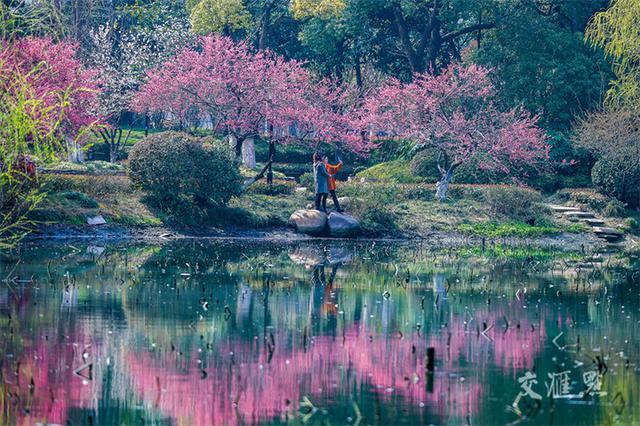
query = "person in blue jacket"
x=321 y=181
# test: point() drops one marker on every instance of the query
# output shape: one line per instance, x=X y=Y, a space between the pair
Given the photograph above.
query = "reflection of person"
x=332 y=170
x=320 y=177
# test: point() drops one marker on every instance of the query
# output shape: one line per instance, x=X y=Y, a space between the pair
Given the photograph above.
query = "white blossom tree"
x=122 y=58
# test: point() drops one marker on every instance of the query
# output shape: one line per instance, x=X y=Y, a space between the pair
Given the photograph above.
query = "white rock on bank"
x=312 y=222
x=96 y=220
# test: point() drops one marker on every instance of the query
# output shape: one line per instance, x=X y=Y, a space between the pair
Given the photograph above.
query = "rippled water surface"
x=208 y=333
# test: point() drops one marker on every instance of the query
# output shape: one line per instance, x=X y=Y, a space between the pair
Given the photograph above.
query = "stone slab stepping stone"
x=608 y=234
x=96 y=220
x=607 y=231
x=562 y=209
x=579 y=215
x=592 y=222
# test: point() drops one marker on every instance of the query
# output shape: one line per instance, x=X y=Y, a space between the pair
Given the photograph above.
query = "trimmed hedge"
x=184 y=175
x=425 y=165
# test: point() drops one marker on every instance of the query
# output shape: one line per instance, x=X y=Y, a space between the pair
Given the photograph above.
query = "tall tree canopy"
x=539 y=60
x=616 y=31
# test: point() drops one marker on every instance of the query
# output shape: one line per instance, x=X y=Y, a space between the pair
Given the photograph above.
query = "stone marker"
x=96 y=220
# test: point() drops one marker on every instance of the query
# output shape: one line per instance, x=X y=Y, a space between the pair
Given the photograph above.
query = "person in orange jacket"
x=332 y=170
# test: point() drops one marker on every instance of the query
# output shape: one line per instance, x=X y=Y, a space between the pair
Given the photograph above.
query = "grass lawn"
x=383 y=209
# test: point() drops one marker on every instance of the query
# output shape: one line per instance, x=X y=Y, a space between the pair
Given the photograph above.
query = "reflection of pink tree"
x=46 y=387
x=251 y=389
x=512 y=348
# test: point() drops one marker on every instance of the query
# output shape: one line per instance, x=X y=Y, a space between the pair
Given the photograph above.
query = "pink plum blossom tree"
x=455 y=113
x=64 y=90
x=242 y=93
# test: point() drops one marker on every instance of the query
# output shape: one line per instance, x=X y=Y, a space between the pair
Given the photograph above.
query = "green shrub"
x=292 y=169
x=373 y=204
x=586 y=196
x=95 y=186
x=618 y=181
x=278 y=188
x=425 y=165
x=306 y=180
x=631 y=224
x=468 y=173
x=514 y=202
x=80 y=199
x=184 y=176
x=397 y=171
x=614 y=208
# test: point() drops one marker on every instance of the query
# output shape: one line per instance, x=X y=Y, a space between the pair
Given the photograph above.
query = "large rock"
x=309 y=221
x=343 y=225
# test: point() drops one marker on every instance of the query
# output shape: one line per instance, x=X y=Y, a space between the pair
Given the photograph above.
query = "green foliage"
x=292 y=169
x=277 y=188
x=29 y=127
x=306 y=180
x=81 y=199
x=397 y=171
x=87 y=167
x=632 y=224
x=302 y=9
x=97 y=187
x=469 y=174
x=373 y=205
x=514 y=203
x=508 y=229
x=425 y=165
x=585 y=196
x=615 y=208
x=540 y=61
x=184 y=176
x=616 y=31
x=219 y=16
x=621 y=181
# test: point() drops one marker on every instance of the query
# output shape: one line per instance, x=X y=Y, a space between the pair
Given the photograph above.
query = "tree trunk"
x=443 y=185
x=358 y=68
x=405 y=40
x=272 y=154
x=113 y=153
x=265 y=24
x=235 y=145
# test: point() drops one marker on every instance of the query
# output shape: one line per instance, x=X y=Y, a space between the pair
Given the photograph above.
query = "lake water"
x=197 y=332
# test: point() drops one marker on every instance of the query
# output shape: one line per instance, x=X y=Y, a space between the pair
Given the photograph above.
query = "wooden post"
x=431 y=356
x=272 y=153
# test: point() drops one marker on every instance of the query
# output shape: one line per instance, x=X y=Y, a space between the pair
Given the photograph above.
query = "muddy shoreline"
x=113 y=233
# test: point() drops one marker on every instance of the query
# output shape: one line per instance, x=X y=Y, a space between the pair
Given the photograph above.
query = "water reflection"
x=220 y=333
